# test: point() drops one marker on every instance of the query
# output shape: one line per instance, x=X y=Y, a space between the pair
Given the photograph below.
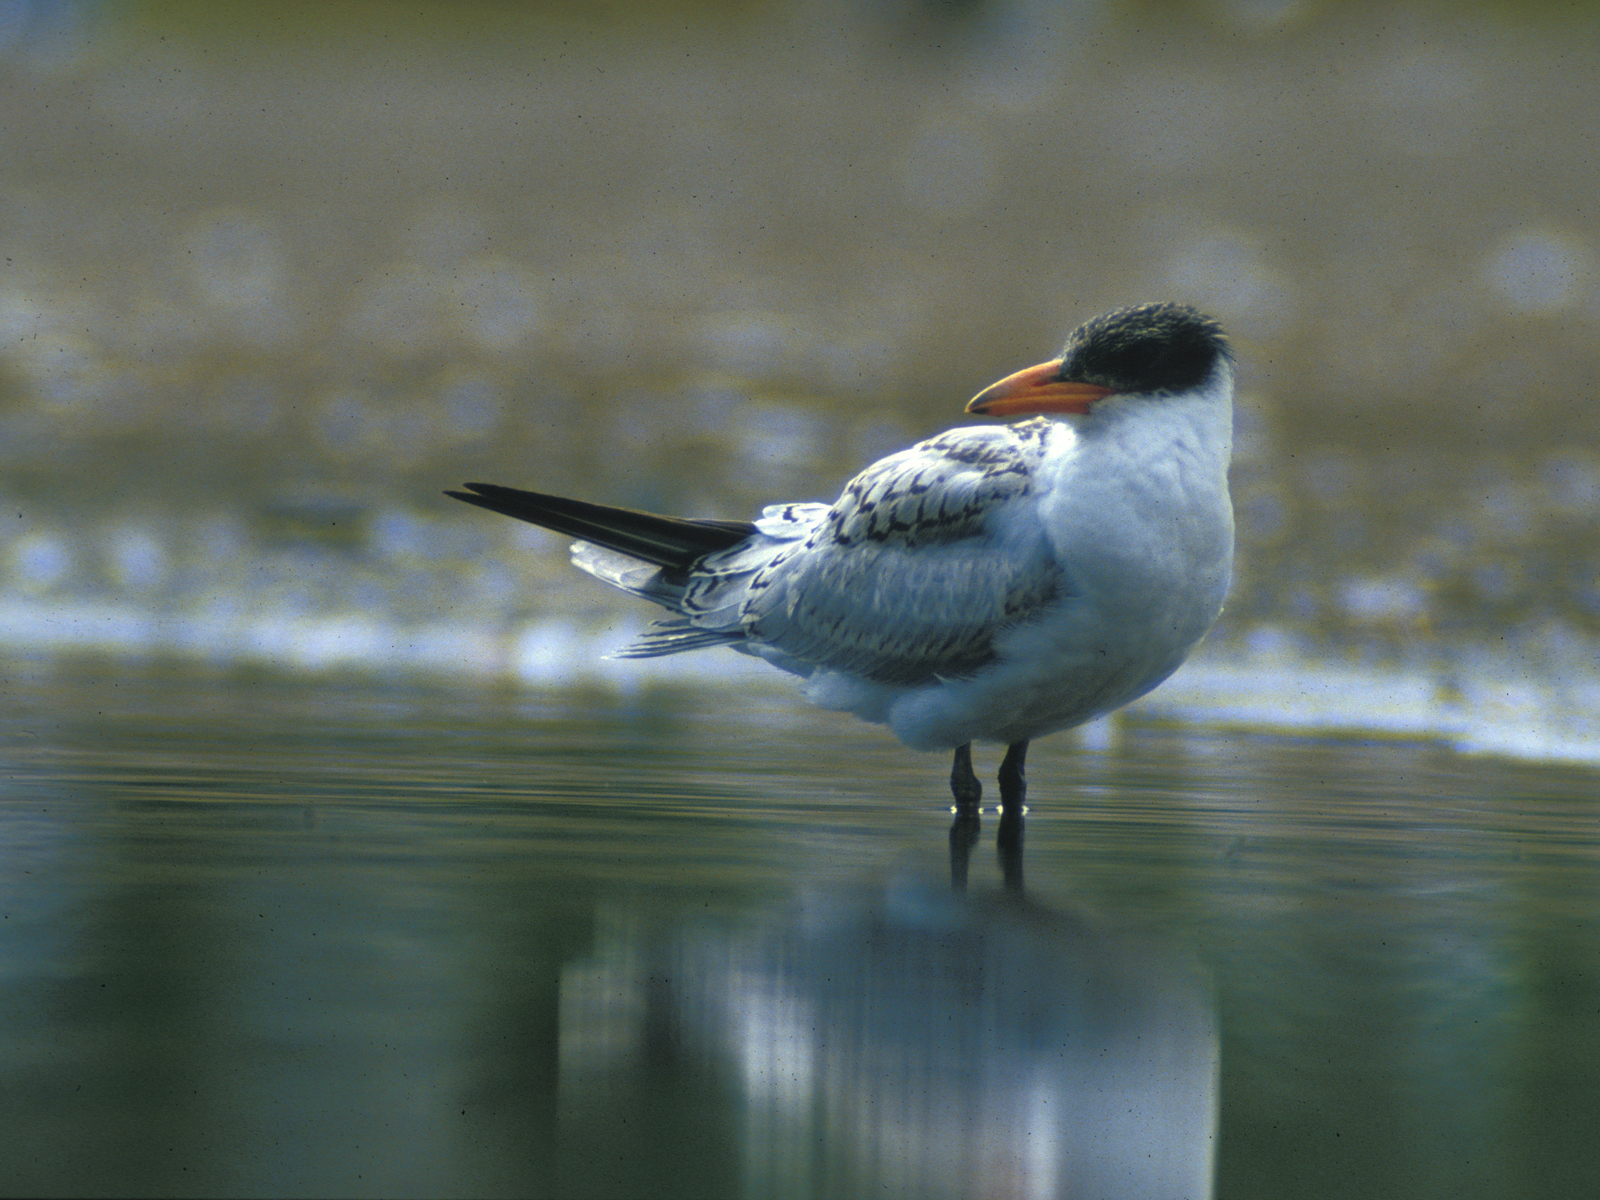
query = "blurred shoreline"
x=1512 y=705
x=264 y=296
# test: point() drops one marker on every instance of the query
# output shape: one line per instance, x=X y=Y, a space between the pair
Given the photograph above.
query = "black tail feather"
x=673 y=542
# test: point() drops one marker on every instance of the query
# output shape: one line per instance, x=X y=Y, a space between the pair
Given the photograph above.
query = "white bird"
x=993 y=583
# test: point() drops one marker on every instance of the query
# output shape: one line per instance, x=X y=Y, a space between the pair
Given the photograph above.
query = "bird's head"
x=1150 y=349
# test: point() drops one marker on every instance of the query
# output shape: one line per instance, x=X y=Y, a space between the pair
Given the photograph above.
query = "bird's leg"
x=964 y=832
x=1013 y=790
x=964 y=782
x=1013 y=779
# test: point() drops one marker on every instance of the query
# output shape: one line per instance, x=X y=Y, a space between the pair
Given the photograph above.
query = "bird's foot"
x=968 y=792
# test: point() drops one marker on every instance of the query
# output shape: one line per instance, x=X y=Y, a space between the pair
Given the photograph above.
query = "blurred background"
x=274 y=275
x=338 y=859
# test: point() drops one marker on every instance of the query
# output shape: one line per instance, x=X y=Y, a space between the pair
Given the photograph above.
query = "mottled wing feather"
x=911 y=575
x=712 y=594
x=939 y=490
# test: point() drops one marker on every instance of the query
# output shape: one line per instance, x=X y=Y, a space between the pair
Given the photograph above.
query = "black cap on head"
x=1148 y=348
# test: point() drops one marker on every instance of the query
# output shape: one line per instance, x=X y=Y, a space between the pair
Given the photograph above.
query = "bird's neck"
x=1199 y=424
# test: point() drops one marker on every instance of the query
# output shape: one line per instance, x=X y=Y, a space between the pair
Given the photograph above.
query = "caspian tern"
x=993 y=583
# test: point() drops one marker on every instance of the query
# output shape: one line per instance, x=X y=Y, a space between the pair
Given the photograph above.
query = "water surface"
x=270 y=936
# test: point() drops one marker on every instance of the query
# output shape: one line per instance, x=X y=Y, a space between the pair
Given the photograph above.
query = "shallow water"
x=264 y=936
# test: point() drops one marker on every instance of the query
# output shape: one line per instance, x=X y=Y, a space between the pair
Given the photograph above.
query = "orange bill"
x=1036 y=390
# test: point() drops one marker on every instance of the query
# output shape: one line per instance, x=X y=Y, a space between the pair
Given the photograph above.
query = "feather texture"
x=912 y=573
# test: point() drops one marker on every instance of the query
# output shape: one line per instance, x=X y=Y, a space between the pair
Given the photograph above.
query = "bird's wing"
x=925 y=559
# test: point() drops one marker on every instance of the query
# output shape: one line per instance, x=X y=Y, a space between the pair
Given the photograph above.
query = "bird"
x=993 y=583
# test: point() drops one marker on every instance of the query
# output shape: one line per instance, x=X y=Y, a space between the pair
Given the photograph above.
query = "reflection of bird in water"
x=893 y=1041
x=990 y=583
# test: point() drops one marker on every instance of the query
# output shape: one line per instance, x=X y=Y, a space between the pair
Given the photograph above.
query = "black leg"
x=964 y=832
x=1013 y=791
x=1013 y=779
x=964 y=783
